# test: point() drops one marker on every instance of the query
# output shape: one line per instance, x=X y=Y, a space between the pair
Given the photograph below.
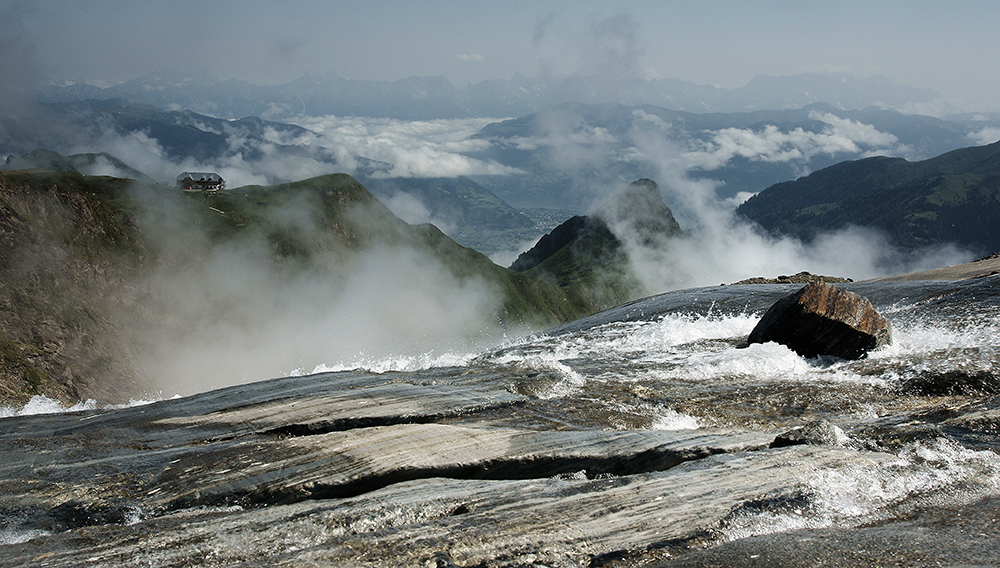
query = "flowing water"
x=676 y=362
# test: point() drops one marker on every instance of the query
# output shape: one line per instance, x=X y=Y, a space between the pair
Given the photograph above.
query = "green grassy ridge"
x=351 y=218
x=76 y=250
x=952 y=198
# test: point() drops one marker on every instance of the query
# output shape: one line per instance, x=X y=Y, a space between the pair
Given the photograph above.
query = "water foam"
x=936 y=473
x=41 y=404
x=393 y=363
x=16 y=536
x=677 y=330
x=411 y=362
x=670 y=419
x=565 y=380
x=937 y=347
x=671 y=333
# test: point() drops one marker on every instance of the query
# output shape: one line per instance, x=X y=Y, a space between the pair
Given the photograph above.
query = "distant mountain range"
x=953 y=198
x=89 y=164
x=436 y=97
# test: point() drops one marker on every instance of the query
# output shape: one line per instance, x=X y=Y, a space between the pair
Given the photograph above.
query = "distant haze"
x=947 y=46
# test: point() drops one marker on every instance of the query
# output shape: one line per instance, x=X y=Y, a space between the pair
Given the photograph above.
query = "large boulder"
x=822 y=319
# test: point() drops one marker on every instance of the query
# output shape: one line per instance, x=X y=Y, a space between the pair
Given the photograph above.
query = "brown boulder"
x=822 y=319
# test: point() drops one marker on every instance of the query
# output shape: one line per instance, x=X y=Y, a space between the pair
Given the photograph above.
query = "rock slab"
x=822 y=319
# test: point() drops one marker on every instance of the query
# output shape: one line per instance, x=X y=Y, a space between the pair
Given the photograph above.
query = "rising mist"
x=229 y=306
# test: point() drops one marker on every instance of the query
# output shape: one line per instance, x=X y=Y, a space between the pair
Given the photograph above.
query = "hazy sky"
x=950 y=46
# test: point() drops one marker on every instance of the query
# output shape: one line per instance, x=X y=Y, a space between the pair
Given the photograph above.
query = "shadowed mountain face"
x=595 y=249
x=953 y=198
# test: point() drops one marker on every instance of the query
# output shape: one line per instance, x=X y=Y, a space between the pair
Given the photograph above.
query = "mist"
x=230 y=311
x=722 y=247
x=420 y=148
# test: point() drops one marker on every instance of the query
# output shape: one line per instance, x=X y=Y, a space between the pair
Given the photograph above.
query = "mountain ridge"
x=953 y=198
x=596 y=250
x=436 y=97
x=99 y=272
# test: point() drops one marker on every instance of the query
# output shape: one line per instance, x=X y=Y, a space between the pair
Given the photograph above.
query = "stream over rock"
x=639 y=436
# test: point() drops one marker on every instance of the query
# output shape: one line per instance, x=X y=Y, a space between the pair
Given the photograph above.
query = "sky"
x=949 y=46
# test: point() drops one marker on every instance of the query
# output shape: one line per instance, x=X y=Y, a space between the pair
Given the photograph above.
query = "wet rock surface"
x=925 y=538
x=820 y=433
x=400 y=471
x=518 y=460
x=822 y=319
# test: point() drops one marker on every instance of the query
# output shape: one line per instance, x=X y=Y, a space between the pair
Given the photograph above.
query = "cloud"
x=841 y=136
x=614 y=48
x=471 y=58
x=250 y=163
x=17 y=57
x=541 y=29
x=610 y=47
x=986 y=135
x=437 y=148
x=412 y=210
x=722 y=247
x=423 y=148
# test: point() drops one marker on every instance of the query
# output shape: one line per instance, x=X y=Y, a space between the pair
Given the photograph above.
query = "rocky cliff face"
x=67 y=250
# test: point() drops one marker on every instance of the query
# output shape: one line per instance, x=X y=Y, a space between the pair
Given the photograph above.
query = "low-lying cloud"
x=423 y=148
x=254 y=162
x=385 y=148
x=841 y=137
x=985 y=135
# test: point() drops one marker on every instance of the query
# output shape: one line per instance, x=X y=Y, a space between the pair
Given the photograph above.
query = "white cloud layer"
x=401 y=148
x=842 y=136
x=986 y=135
x=423 y=148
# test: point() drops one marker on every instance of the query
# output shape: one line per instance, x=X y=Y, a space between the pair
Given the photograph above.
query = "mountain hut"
x=200 y=181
